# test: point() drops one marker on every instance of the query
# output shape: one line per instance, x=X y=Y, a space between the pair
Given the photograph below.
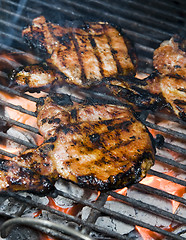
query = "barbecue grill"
x=147 y=24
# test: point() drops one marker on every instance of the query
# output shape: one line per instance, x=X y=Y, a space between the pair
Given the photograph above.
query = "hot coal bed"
x=78 y=213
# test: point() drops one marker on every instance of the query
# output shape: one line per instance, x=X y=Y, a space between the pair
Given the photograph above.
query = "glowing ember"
x=122 y=191
x=149 y=235
x=167 y=186
x=73 y=210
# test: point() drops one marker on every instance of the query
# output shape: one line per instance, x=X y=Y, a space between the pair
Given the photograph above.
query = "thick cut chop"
x=84 y=55
x=97 y=146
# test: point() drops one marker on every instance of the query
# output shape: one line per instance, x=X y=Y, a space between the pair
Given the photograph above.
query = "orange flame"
x=122 y=191
x=149 y=235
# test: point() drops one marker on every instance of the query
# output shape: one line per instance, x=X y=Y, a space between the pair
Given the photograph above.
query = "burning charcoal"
x=111 y=223
x=25 y=136
x=181 y=231
x=153 y=200
x=73 y=190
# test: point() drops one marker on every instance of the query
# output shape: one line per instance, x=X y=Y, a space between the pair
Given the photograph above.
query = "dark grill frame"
x=142 y=28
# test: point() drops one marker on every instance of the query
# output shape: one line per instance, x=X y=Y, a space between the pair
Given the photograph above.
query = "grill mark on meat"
x=89 y=60
x=83 y=78
x=93 y=43
x=95 y=47
x=113 y=51
x=180 y=102
x=182 y=89
x=74 y=114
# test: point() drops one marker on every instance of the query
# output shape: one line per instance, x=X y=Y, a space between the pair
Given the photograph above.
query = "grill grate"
x=147 y=23
x=97 y=206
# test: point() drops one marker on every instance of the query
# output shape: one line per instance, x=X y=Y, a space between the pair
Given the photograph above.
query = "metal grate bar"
x=169 y=117
x=10 y=48
x=165 y=130
x=3 y=10
x=152 y=190
x=19 y=124
x=20 y=94
x=93 y=226
x=167 y=177
x=147 y=207
x=17 y=140
x=65 y=216
x=125 y=22
x=12 y=25
x=129 y=13
x=18 y=108
x=13 y=3
x=163 y=11
x=5 y=153
x=12 y=36
x=171 y=162
x=175 y=148
x=128 y=219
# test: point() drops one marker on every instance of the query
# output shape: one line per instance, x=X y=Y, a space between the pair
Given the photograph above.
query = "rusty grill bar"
x=147 y=23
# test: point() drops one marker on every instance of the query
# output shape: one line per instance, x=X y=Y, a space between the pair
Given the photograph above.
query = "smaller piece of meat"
x=174 y=92
x=170 y=59
x=134 y=92
x=170 y=81
x=38 y=76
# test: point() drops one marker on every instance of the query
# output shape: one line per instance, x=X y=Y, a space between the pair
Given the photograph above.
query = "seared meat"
x=101 y=147
x=84 y=55
x=134 y=92
x=170 y=82
x=170 y=58
x=15 y=177
x=36 y=76
x=173 y=92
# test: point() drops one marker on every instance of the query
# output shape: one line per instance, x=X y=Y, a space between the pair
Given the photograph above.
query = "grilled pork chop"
x=84 y=55
x=97 y=146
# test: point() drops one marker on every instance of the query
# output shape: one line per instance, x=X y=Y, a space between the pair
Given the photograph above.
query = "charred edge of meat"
x=27 y=68
x=129 y=79
x=179 y=104
x=181 y=42
x=59 y=99
x=35 y=43
x=62 y=99
x=131 y=49
x=33 y=182
x=143 y=99
x=127 y=179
